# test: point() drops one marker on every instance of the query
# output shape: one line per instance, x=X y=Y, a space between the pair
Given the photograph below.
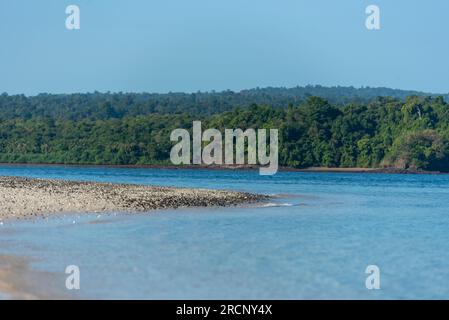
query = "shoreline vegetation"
x=318 y=127
x=389 y=170
x=24 y=198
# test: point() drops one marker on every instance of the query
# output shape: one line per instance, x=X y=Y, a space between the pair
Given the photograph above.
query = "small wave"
x=293 y=195
x=281 y=195
x=272 y=204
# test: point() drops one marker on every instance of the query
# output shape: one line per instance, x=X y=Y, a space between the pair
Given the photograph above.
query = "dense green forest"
x=102 y=106
x=334 y=130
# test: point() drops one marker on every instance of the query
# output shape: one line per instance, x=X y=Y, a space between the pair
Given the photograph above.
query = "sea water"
x=313 y=240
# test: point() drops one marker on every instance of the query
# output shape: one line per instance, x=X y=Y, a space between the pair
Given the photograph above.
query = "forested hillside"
x=381 y=132
x=102 y=106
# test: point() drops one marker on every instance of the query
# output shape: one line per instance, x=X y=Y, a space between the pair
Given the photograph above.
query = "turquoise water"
x=314 y=241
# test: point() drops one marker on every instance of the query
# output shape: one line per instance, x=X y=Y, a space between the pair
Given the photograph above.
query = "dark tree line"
x=103 y=106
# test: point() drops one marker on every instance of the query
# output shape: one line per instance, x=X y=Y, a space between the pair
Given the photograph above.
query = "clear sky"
x=191 y=45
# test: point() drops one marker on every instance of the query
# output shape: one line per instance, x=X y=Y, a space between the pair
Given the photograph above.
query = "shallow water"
x=314 y=241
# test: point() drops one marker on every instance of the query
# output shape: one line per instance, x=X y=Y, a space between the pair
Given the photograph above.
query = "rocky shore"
x=27 y=198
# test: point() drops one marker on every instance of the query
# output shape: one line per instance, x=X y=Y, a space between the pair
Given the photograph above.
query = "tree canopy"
x=410 y=133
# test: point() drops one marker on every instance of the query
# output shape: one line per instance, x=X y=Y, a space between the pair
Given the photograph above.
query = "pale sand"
x=28 y=198
x=18 y=281
x=10 y=270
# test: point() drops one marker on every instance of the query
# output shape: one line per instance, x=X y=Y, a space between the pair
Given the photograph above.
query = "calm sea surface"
x=313 y=241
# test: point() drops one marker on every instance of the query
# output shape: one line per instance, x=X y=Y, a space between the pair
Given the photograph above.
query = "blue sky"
x=179 y=45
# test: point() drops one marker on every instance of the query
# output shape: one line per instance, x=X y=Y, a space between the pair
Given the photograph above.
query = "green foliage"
x=103 y=106
x=412 y=133
x=420 y=150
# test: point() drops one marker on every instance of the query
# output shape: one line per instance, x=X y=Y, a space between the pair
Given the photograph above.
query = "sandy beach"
x=19 y=281
x=29 y=198
x=22 y=198
x=13 y=275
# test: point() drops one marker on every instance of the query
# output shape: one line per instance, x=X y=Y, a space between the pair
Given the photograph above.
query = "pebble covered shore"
x=28 y=198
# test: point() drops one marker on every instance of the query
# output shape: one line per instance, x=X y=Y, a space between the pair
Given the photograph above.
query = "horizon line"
x=212 y=91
